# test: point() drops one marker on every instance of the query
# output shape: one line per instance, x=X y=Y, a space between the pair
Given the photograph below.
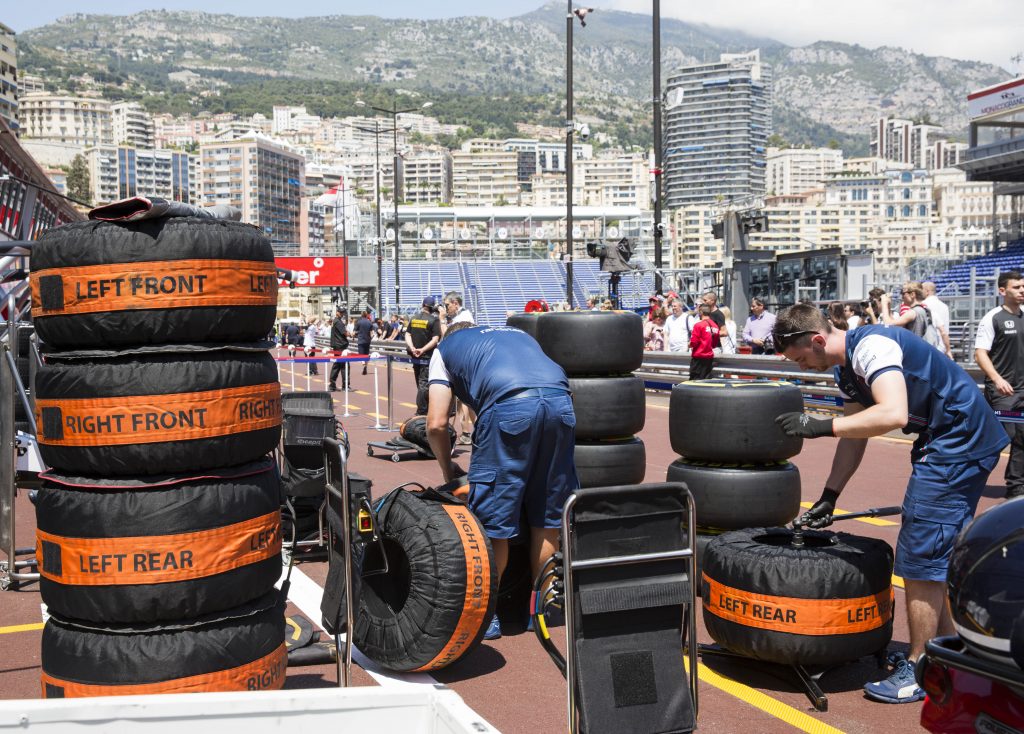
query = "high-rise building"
x=717 y=122
x=132 y=125
x=903 y=141
x=259 y=175
x=120 y=172
x=83 y=121
x=8 y=77
x=795 y=170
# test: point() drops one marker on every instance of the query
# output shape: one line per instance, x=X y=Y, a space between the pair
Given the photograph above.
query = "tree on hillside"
x=78 y=179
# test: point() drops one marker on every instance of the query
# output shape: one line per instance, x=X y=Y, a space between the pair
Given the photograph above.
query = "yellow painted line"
x=408 y=405
x=781 y=711
x=869 y=520
x=21 y=628
x=897 y=581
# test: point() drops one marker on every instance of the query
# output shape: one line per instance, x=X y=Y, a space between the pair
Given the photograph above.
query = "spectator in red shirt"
x=704 y=338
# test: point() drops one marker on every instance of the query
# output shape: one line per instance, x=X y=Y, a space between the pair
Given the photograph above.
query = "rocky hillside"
x=828 y=90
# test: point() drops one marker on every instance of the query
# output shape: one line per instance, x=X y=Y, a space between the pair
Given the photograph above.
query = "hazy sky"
x=985 y=30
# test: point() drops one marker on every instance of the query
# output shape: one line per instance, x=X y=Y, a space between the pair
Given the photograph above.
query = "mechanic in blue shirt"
x=892 y=379
x=523 y=442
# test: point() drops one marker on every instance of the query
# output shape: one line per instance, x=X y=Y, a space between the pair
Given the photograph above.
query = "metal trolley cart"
x=625 y=577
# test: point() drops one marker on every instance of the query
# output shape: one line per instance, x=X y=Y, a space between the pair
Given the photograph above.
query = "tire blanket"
x=240 y=650
x=162 y=413
x=164 y=280
x=434 y=603
x=178 y=548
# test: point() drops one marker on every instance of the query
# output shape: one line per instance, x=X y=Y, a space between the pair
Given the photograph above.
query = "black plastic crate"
x=308 y=419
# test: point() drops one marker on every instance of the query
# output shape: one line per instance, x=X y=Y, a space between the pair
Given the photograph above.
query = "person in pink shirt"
x=704 y=338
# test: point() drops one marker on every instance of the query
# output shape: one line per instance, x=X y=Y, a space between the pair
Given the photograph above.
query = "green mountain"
x=484 y=72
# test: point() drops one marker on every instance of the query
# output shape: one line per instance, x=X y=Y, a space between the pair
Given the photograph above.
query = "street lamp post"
x=569 y=130
x=395 y=112
x=658 y=232
x=376 y=178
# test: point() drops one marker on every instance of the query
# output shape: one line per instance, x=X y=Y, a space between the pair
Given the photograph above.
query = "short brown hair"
x=457 y=326
x=797 y=324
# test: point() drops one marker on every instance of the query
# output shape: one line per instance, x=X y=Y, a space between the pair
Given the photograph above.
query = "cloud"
x=989 y=31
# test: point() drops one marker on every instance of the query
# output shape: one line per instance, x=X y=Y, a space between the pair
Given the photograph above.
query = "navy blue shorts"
x=940 y=501
x=523 y=459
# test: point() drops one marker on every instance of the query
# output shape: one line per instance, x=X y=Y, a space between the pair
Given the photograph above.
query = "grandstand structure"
x=491 y=288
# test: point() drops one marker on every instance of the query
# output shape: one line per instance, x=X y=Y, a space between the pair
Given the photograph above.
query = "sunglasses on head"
x=786 y=339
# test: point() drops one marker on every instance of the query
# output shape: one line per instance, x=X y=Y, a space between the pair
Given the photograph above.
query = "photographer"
x=873 y=306
x=421 y=337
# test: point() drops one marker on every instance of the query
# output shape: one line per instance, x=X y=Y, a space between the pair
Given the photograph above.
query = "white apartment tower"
x=132 y=125
x=903 y=141
x=427 y=177
x=717 y=122
x=482 y=177
x=262 y=177
x=796 y=170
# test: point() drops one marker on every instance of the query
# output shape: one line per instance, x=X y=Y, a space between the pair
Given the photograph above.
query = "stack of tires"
x=734 y=455
x=599 y=350
x=158 y=521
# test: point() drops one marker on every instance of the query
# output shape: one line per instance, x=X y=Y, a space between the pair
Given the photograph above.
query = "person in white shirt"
x=940 y=314
x=677 y=328
x=853 y=317
x=728 y=334
x=454 y=313
x=309 y=346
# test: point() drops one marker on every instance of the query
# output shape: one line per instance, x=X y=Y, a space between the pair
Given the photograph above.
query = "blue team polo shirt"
x=482 y=364
x=946 y=408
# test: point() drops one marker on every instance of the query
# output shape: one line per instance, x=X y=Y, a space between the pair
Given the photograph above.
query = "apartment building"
x=427 y=177
x=795 y=170
x=120 y=172
x=9 y=78
x=484 y=175
x=82 y=121
x=905 y=141
x=132 y=125
x=607 y=181
x=259 y=175
x=717 y=123
x=539 y=157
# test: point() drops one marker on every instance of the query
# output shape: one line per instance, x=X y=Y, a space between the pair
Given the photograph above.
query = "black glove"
x=820 y=514
x=804 y=426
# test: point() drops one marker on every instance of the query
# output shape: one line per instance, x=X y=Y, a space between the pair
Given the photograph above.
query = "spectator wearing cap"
x=657 y=304
x=422 y=335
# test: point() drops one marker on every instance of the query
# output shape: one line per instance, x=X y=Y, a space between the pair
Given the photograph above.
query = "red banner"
x=315 y=271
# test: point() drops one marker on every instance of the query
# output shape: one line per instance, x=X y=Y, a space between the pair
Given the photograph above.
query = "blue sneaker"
x=493 y=629
x=900 y=686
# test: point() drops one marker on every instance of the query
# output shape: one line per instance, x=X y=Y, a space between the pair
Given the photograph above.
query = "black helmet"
x=986 y=580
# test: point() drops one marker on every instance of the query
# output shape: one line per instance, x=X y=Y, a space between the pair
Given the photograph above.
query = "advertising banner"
x=315 y=271
x=999 y=98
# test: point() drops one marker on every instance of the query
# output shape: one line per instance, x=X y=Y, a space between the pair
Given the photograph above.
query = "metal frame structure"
x=341 y=494
x=570 y=565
